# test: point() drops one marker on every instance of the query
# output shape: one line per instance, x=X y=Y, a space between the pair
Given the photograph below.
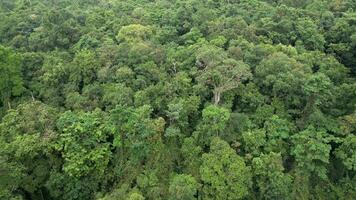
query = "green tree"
x=271 y=181
x=183 y=187
x=317 y=89
x=311 y=149
x=134 y=33
x=283 y=77
x=309 y=34
x=254 y=141
x=278 y=131
x=83 y=142
x=136 y=132
x=224 y=174
x=11 y=83
x=346 y=152
x=219 y=72
x=27 y=134
x=83 y=70
x=116 y=94
x=135 y=196
x=214 y=122
x=191 y=155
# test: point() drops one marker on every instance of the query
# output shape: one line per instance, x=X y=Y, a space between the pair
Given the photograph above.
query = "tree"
x=136 y=132
x=27 y=134
x=317 y=89
x=11 y=175
x=11 y=83
x=183 y=187
x=150 y=183
x=83 y=142
x=342 y=40
x=191 y=156
x=216 y=118
x=278 y=131
x=224 y=174
x=309 y=34
x=271 y=181
x=283 y=77
x=220 y=72
x=85 y=151
x=123 y=192
x=116 y=94
x=214 y=122
x=134 y=33
x=83 y=70
x=63 y=186
x=135 y=196
x=254 y=141
x=311 y=149
x=346 y=152
x=53 y=76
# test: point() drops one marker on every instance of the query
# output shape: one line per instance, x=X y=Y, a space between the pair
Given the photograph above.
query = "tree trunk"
x=217 y=95
x=33 y=98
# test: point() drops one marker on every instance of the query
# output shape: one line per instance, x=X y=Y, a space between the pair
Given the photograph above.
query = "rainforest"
x=177 y=99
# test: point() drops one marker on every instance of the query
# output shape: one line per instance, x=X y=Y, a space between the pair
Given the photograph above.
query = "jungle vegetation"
x=177 y=99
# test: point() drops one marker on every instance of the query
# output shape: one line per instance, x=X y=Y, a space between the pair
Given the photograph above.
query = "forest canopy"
x=177 y=99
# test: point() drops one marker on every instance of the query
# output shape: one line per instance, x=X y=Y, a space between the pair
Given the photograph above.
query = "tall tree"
x=220 y=72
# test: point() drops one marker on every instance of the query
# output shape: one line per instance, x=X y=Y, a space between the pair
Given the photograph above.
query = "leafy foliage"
x=177 y=100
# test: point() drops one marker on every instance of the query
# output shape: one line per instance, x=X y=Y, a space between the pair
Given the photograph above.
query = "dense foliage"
x=177 y=99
